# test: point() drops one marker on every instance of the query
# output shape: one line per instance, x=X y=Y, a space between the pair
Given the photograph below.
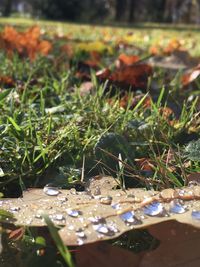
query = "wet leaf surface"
x=92 y=216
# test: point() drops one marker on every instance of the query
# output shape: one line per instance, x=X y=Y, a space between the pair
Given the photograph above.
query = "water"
x=154 y=209
x=57 y=217
x=97 y=220
x=14 y=209
x=73 y=213
x=116 y=206
x=81 y=234
x=51 y=190
x=128 y=217
x=177 y=207
x=104 y=229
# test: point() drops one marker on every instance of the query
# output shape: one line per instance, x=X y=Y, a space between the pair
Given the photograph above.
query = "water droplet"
x=128 y=217
x=196 y=214
x=177 y=207
x=80 y=233
x=96 y=220
x=73 y=213
x=106 y=200
x=80 y=241
x=112 y=227
x=154 y=209
x=81 y=237
x=104 y=229
x=57 y=217
x=181 y=192
x=14 y=209
x=38 y=216
x=51 y=190
x=73 y=191
x=116 y=206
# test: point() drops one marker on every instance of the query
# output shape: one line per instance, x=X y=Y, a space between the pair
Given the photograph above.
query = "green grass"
x=40 y=145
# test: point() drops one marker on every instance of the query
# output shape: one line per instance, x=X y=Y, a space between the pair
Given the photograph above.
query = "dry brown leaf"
x=101 y=212
x=105 y=255
x=179 y=246
x=191 y=75
x=27 y=44
x=126 y=60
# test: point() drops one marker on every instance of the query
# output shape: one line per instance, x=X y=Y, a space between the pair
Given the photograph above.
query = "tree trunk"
x=120 y=8
x=7 y=8
x=131 y=10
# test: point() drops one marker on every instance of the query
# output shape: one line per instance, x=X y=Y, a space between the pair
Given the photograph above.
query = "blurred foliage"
x=184 y=11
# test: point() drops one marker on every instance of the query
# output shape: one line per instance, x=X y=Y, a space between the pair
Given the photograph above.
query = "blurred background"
x=105 y=11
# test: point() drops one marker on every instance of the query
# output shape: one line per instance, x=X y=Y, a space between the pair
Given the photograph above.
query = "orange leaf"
x=44 y=47
x=126 y=60
x=135 y=75
x=190 y=76
x=6 y=81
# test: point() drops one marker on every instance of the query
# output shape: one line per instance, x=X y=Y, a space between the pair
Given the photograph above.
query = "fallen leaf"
x=191 y=75
x=96 y=215
x=26 y=44
x=6 y=81
x=179 y=246
x=126 y=60
x=103 y=254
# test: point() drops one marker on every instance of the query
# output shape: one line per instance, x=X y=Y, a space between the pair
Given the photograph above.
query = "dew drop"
x=80 y=233
x=104 y=229
x=38 y=216
x=97 y=220
x=14 y=209
x=57 y=217
x=128 y=217
x=73 y=213
x=181 y=192
x=177 y=207
x=113 y=227
x=80 y=241
x=196 y=214
x=116 y=206
x=81 y=237
x=106 y=200
x=51 y=190
x=154 y=209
